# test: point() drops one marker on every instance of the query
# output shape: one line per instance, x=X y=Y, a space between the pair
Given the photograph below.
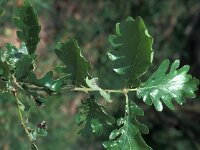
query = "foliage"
x=75 y=64
x=134 y=52
x=131 y=59
x=94 y=117
x=177 y=85
x=128 y=136
x=27 y=21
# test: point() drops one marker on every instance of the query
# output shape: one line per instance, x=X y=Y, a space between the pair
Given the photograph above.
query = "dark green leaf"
x=1 y=12
x=3 y=85
x=75 y=64
x=47 y=81
x=27 y=21
x=165 y=87
x=92 y=117
x=4 y=69
x=133 y=50
x=12 y=54
x=93 y=83
x=23 y=67
x=128 y=136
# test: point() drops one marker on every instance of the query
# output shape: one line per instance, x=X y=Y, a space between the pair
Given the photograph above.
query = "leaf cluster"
x=131 y=55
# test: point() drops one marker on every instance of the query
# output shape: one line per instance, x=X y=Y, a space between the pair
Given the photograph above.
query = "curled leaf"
x=132 y=54
x=92 y=83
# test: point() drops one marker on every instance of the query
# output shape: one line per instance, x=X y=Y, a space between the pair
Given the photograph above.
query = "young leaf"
x=93 y=83
x=128 y=136
x=41 y=132
x=93 y=117
x=133 y=50
x=27 y=21
x=75 y=64
x=165 y=87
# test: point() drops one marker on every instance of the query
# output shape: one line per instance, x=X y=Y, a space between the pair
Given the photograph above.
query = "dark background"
x=175 y=26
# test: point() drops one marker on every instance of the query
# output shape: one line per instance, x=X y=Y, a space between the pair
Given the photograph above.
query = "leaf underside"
x=93 y=117
x=75 y=64
x=132 y=54
x=165 y=87
x=93 y=84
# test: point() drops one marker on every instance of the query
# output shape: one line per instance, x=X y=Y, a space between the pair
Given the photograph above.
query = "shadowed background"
x=175 y=26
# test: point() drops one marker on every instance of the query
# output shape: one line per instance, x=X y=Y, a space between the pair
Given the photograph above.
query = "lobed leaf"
x=23 y=67
x=4 y=69
x=128 y=136
x=165 y=87
x=47 y=81
x=75 y=64
x=13 y=54
x=93 y=117
x=133 y=50
x=27 y=21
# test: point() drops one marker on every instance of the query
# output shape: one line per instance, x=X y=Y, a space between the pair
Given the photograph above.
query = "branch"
x=21 y=118
x=107 y=90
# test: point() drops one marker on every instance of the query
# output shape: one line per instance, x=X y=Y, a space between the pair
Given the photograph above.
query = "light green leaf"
x=27 y=21
x=165 y=87
x=97 y=127
x=33 y=135
x=92 y=117
x=3 y=85
x=128 y=136
x=75 y=64
x=133 y=50
x=93 y=83
x=41 y=132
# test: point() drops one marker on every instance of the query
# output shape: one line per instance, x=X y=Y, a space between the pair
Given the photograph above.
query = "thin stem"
x=127 y=104
x=107 y=90
x=21 y=118
x=18 y=107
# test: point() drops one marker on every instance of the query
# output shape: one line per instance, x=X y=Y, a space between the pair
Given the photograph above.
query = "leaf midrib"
x=133 y=66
